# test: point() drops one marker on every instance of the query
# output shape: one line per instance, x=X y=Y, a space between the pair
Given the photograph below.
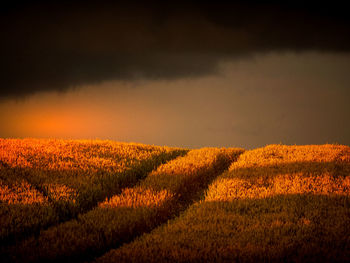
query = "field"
x=104 y=201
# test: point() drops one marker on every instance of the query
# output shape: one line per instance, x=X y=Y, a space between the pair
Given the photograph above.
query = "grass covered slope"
x=44 y=182
x=277 y=203
x=161 y=195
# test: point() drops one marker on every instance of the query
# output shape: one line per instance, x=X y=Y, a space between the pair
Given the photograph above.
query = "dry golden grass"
x=279 y=169
x=277 y=203
x=137 y=197
x=276 y=154
x=236 y=188
x=89 y=156
x=21 y=192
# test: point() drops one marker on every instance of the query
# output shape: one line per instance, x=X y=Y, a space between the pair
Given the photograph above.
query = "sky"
x=188 y=74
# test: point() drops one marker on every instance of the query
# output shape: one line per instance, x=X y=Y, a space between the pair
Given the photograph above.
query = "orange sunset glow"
x=250 y=103
x=53 y=122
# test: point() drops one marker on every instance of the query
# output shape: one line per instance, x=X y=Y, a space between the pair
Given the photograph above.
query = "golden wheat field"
x=105 y=201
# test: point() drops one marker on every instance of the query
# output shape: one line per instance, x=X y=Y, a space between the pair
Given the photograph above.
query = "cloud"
x=57 y=46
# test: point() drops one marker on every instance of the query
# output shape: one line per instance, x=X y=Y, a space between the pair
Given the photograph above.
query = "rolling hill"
x=105 y=201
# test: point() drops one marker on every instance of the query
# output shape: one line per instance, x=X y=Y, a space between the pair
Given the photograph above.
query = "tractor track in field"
x=189 y=190
x=137 y=173
x=179 y=205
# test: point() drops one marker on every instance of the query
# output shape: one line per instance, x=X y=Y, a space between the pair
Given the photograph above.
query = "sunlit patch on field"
x=21 y=192
x=138 y=197
x=283 y=154
x=236 y=188
x=72 y=156
x=278 y=169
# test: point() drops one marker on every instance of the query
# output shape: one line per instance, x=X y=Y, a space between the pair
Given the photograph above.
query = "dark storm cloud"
x=47 y=47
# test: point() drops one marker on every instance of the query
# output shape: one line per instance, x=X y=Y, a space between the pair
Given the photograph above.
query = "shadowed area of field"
x=284 y=228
